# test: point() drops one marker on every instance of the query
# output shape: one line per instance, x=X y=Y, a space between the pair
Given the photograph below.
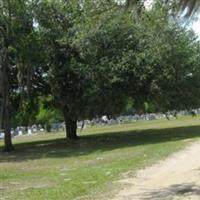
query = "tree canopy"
x=92 y=58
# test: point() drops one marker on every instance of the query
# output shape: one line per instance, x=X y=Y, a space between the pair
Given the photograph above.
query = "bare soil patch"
x=176 y=178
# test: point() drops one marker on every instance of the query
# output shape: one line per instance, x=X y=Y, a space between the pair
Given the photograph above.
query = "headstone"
x=29 y=131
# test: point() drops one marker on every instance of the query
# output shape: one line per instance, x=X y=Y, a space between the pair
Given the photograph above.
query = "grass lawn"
x=48 y=167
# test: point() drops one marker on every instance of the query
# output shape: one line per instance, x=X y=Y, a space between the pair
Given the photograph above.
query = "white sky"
x=196 y=26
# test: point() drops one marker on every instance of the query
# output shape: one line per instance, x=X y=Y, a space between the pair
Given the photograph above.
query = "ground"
x=176 y=178
x=48 y=167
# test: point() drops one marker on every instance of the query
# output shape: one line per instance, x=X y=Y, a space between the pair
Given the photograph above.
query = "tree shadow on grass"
x=99 y=142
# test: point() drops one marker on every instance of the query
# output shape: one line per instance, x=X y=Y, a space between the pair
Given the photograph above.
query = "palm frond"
x=190 y=6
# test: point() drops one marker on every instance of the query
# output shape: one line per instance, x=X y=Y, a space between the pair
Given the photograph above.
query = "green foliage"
x=80 y=63
x=174 y=62
x=95 y=59
x=98 y=60
x=15 y=25
x=25 y=114
x=47 y=113
x=163 y=65
x=130 y=107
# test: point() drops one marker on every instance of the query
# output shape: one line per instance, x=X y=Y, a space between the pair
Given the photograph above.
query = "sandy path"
x=176 y=178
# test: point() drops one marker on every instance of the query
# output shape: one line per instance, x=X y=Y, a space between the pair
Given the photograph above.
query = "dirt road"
x=176 y=178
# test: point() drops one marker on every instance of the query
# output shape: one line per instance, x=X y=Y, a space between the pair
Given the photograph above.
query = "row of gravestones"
x=104 y=120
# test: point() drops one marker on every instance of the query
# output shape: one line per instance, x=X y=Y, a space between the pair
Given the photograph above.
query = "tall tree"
x=15 y=24
x=168 y=55
x=81 y=86
x=57 y=25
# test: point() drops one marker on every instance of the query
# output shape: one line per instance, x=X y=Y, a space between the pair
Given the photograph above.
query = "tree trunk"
x=5 y=107
x=6 y=124
x=71 y=127
x=7 y=138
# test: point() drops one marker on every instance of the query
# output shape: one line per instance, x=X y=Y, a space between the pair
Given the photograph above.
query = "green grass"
x=47 y=167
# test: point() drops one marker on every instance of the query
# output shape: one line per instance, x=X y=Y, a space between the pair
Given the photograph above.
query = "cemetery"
x=101 y=121
x=45 y=165
x=99 y=100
